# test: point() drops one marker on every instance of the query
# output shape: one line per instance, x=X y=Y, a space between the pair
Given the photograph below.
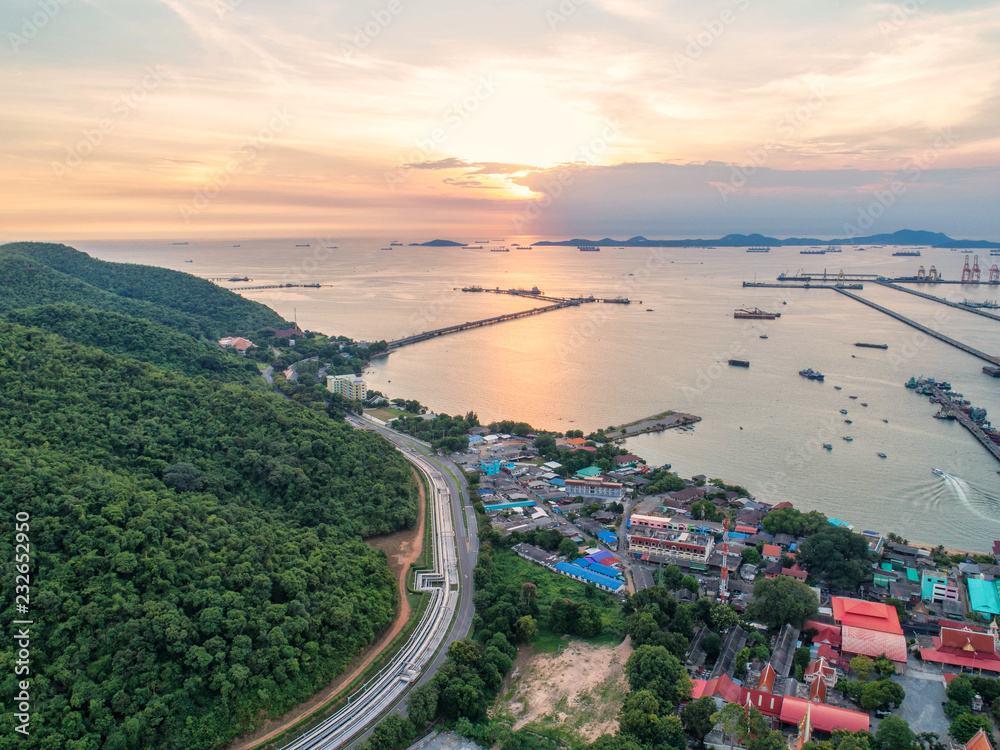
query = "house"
x=821 y=671
x=627 y=460
x=771 y=552
x=608 y=538
x=239 y=344
x=795 y=572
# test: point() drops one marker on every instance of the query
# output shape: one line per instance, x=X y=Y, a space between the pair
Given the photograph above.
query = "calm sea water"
x=603 y=364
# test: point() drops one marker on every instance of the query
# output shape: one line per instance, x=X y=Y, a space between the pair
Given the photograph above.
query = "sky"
x=459 y=118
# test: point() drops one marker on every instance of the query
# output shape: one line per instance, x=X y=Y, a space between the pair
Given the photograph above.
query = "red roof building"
x=869 y=615
x=795 y=572
x=979 y=741
x=766 y=681
x=741 y=529
x=964 y=648
x=826 y=632
x=873 y=643
x=817 y=692
x=821 y=671
x=771 y=552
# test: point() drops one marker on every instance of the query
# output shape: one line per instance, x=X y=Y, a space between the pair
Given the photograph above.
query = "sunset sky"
x=451 y=118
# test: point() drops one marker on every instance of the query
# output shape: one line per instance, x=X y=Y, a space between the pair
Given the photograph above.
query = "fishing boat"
x=828 y=446
x=811 y=374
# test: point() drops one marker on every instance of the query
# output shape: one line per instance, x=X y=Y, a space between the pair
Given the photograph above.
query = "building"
x=348 y=386
x=239 y=344
x=983 y=596
x=979 y=741
x=870 y=629
x=589 y=576
x=660 y=544
x=606 y=491
x=937 y=588
x=963 y=647
x=609 y=538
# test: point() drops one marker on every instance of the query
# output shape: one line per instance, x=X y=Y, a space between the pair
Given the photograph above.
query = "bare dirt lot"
x=580 y=689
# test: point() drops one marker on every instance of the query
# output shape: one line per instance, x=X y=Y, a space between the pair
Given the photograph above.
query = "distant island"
x=902 y=237
x=438 y=243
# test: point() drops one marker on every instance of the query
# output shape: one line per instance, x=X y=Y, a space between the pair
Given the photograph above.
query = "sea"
x=604 y=364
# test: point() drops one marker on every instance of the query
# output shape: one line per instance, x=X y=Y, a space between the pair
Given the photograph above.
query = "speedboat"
x=881 y=455
x=843 y=411
x=886 y=421
x=828 y=446
x=837 y=387
x=848 y=438
x=938 y=472
x=848 y=421
x=764 y=336
x=863 y=403
x=854 y=397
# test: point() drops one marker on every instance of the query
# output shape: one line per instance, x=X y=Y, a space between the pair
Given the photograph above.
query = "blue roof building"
x=604 y=570
x=507 y=506
x=608 y=538
x=587 y=576
x=490 y=468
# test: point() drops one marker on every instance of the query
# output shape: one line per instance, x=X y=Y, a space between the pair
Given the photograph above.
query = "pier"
x=921 y=327
x=957 y=305
x=966 y=421
x=276 y=286
x=479 y=324
x=830 y=276
x=535 y=294
x=807 y=285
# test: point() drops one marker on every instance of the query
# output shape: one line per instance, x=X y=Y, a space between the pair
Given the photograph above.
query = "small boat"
x=305 y=245
x=843 y=411
x=236 y=245
x=839 y=388
x=854 y=397
x=763 y=336
x=881 y=455
x=739 y=363
x=811 y=374
x=386 y=248
x=331 y=247
x=650 y=309
x=938 y=472
x=189 y=261
x=886 y=421
x=863 y=403
x=848 y=438
x=848 y=421
x=828 y=446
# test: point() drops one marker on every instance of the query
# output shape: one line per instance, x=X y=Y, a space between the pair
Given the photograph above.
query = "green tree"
x=894 y=734
x=732 y=717
x=690 y=583
x=568 y=548
x=655 y=669
x=861 y=666
x=965 y=727
x=751 y=555
x=697 y=719
x=712 y=643
x=642 y=717
x=422 y=705
x=881 y=694
x=885 y=666
x=838 y=556
x=782 y=600
x=525 y=629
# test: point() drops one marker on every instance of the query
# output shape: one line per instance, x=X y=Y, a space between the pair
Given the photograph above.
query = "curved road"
x=447 y=618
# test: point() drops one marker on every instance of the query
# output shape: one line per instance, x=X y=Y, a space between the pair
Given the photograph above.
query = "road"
x=448 y=616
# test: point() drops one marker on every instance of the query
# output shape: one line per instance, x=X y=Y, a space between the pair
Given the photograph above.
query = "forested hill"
x=140 y=339
x=197 y=562
x=37 y=273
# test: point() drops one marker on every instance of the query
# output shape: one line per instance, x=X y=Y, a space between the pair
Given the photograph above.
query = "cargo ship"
x=907 y=253
x=812 y=252
x=500 y=249
x=589 y=249
x=473 y=288
x=758 y=249
x=993 y=372
x=739 y=363
x=811 y=374
x=755 y=314
x=872 y=346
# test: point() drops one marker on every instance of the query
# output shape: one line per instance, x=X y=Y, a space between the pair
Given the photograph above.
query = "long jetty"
x=807 y=285
x=825 y=275
x=478 y=324
x=966 y=421
x=942 y=300
x=921 y=327
x=533 y=295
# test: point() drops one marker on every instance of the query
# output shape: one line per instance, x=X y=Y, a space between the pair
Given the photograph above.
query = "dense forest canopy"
x=37 y=273
x=197 y=555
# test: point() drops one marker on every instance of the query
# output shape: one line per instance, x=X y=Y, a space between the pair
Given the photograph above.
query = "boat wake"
x=970 y=496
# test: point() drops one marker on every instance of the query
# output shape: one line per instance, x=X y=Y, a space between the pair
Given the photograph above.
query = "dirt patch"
x=580 y=689
x=401 y=549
